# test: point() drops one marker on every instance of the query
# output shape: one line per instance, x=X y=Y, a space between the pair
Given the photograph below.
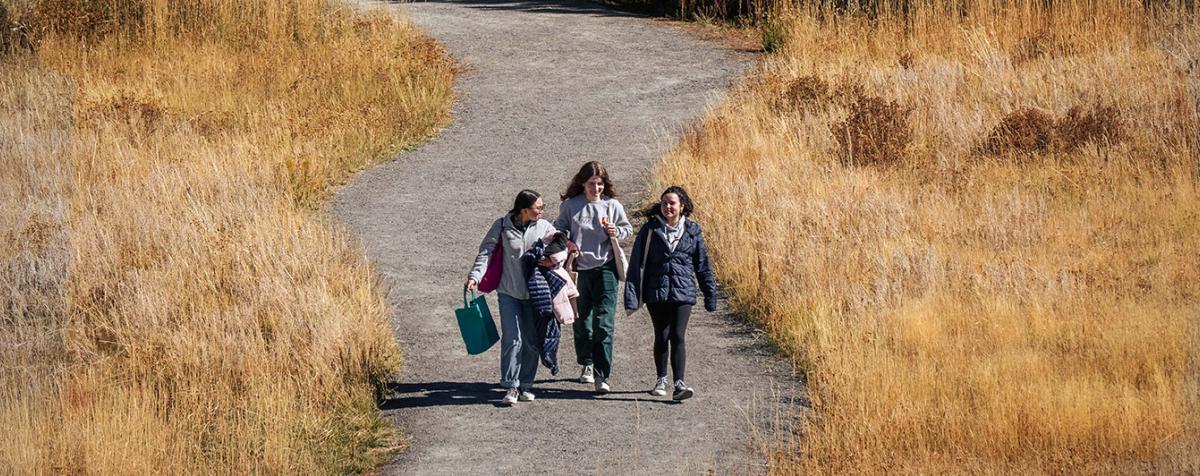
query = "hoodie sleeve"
x=485 y=250
x=707 y=282
x=633 y=277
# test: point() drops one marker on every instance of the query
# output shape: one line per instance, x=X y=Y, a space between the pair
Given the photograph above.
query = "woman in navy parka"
x=669 y=268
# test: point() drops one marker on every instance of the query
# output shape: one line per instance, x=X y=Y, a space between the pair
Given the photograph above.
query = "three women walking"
x=668 y=269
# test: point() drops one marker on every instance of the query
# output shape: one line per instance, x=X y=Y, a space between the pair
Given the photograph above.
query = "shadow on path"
x=440 y=394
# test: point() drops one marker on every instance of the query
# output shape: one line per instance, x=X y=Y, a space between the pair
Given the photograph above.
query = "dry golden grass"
x=976 y=235
x=171 y=300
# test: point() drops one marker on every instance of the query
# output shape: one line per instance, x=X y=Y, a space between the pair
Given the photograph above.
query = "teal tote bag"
x=476 y=324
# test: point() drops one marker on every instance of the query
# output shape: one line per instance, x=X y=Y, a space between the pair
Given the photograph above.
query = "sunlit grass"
x=173 y=302
x=969 y=286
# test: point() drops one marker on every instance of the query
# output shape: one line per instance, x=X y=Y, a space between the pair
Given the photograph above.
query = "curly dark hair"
x=656 y=209
x=589 y=170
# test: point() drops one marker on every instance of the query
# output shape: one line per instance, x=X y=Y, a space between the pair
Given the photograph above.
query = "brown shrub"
x=905 y=60
x=1026 y=131
x=875 y=132
x=805 y=91
x=786 y=95
x=1101 y=125
x=1031 y=131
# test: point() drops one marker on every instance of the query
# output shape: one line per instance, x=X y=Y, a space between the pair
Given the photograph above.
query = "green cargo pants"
x=595 y=325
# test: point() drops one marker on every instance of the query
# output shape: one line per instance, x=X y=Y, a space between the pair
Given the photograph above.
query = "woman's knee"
x=677 y=337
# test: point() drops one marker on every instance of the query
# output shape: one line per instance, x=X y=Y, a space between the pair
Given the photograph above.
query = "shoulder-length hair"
x=525 y=199
x=656 y=208
x=589 y=170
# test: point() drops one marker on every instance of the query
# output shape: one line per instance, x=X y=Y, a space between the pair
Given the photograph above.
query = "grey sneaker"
x=588 y=375
x=682 y=391
x=526 y=396
x=660 y=388
x=511 y=397
x=602 y=388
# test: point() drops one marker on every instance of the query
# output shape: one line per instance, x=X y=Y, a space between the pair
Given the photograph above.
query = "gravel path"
x=550 y=85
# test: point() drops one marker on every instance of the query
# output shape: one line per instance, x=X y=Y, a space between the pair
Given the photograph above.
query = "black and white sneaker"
x=660 y=387
x=511 y=397
x=682 y=391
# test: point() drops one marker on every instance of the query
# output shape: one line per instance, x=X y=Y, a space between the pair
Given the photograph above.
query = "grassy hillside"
x=171 y=302
x=974 y=228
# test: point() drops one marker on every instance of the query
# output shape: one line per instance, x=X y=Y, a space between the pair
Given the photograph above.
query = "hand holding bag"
x=618 y=254
x=622 y=260
x=476 y=324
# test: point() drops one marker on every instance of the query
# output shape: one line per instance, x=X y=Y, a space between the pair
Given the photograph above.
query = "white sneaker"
x=526 y=396
x=511 y=397
x=682 y=391
x=602 y=388
x=660 y=388
x=588 y=375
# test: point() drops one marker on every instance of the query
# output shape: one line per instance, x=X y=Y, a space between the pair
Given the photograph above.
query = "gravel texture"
x=547 y=86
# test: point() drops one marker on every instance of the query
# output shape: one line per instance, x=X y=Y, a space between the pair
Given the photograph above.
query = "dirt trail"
x=549 y=86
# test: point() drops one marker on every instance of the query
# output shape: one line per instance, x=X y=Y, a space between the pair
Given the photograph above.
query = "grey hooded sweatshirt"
x=512 y=279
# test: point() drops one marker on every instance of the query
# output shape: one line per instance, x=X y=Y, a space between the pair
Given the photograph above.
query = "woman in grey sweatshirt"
x=591 y=216
x=516 y=231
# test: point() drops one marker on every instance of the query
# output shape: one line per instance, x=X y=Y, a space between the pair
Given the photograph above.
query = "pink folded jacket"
x=562 y=301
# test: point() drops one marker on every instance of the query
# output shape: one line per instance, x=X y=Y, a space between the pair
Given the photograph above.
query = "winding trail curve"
x=550 y=85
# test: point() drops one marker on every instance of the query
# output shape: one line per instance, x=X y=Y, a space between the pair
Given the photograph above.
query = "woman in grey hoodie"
x=516 y=231
x=592 y=216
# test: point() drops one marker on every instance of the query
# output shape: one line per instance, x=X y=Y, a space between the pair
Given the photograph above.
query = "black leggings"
x=670 y=324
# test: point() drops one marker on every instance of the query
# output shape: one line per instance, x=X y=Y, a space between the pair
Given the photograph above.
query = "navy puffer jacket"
x=674 y=277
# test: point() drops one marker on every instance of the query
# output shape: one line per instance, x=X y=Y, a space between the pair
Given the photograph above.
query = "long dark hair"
x=525 y=199
x=656 y=208
x=589 y=170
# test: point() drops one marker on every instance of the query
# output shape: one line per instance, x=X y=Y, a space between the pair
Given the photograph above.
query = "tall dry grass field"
x=977 y=230
x=170 y=298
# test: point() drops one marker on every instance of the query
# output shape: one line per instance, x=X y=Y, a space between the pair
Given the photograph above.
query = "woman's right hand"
x=470 y=285
x=609 y=228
